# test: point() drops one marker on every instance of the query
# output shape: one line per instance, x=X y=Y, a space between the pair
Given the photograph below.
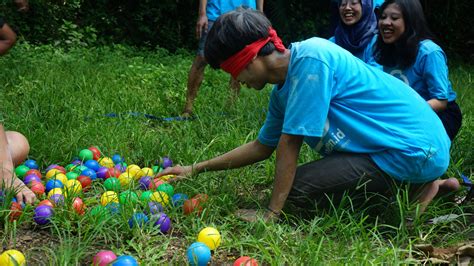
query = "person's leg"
x=333 y=176
x=18 y=147
x=195 y=77
x=452 y=119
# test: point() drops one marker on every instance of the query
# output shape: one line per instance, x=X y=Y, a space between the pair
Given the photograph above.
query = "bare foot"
x=187 y=113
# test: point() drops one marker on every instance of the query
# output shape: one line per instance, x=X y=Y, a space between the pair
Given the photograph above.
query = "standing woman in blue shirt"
x=406 y=50
x=357 y=27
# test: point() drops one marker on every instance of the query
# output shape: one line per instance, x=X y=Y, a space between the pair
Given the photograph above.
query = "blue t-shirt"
x=215 y=8
x=366 y=54
x=339 y=103
x=429 y=74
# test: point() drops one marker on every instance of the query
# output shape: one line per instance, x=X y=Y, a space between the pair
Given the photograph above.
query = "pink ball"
x=103 y=258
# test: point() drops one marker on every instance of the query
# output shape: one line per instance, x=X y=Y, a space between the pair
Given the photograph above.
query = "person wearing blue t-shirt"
x=405 y=50
x=357 y=27
x=371 y=128
x=209 y=11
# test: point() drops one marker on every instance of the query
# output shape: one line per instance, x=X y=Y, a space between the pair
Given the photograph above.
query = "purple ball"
x=155 y=207
x=167 y=162
x=121 y=167
x=76 y=162
x=145 y=182
x=51 y=167
x=57 y=199
x=163 y=221
x=43 y=214
x=102 y=172
x=27 y=179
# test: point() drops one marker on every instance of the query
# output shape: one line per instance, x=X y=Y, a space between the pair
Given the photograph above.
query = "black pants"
x=451 y=118
x=319 y=182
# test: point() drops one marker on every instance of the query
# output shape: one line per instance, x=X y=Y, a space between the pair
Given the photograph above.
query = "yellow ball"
x=55 y=191
x=108 y=197
x=125 y=180
x=134 y=171
x=160 y=197
x=12 y=257
x=147 y=171
x=167 y=177
x=73 y=186
x=210 y=236
x=61 y=177
x=106 y=161
x=52 y=173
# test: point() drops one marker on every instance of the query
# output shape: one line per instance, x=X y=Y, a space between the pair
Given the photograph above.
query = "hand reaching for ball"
x=179 y=171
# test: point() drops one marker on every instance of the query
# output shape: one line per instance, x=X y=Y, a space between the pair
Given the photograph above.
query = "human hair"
x=234 y=30
x=402 y=53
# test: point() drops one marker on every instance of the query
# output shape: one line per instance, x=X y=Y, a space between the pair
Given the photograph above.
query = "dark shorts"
x=320 y=183
x=451 y=118
x=202 y=41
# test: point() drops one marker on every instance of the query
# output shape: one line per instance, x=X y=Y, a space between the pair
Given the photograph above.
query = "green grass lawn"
x=60 y=101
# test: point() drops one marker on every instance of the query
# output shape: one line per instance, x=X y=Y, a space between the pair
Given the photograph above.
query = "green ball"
x=86 y=155
x=21 y=170
x=128 y=197
x=72 y=175
x=146 y=195
x=69 y=167
x=99 y=212
x=112 y=184
x=167 y=188
x=79 y=168
x=157 y=169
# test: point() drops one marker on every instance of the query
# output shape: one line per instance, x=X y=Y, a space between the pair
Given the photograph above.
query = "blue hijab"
x=356 y=37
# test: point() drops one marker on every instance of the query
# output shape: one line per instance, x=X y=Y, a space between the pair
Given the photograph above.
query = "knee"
x=18 y=146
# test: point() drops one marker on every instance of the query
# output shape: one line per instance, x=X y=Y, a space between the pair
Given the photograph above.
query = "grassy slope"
x=58 y=100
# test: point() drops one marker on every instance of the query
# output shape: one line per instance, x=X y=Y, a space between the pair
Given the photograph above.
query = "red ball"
x=85 y=182
x=34 y=172
x=37 y=188
x=201 y=197
x=155 y=183
x=192 y=205
x=15 y=211
x=95 y=152
x=79 y=206
x=46 y=202
x=112 y=172
x=245 y=261
x=60 y=168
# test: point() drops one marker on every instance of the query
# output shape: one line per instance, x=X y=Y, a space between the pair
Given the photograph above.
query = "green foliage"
x=171 y=24
x=59 y=97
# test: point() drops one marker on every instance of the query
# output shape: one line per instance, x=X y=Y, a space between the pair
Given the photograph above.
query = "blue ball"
x=90 y=173
x=53 y=183
x=125 y=260
x=113 y=207
x=198 y=254
x=31 y=164
x=116 y=158
x=92 y=164
x=139 y=219
x=178 y=199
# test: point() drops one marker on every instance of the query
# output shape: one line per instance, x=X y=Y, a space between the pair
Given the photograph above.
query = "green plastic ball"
x=112 y=184
x=72 y=175
x=21 y=170
x=128 y=197
x=167 y=188
x=86 y=155
x=146 y=195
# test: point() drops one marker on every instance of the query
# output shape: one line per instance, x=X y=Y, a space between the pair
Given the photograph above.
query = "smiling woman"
x=357 y=27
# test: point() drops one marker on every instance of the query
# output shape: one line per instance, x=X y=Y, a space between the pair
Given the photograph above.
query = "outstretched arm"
x=246 y=154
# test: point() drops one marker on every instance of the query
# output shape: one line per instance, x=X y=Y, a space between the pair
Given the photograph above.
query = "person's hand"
x=24 y=194
x=250 y=215
x=22 y=5
x=179 y=171
x=201 y=26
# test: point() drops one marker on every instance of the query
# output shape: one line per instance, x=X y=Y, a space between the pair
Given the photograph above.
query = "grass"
x=59 y=99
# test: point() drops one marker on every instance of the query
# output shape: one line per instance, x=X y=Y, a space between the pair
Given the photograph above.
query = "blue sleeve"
x=368 y=56
x=435 y=74
x=310 y=93
x=332 y=39
x=271 y=130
